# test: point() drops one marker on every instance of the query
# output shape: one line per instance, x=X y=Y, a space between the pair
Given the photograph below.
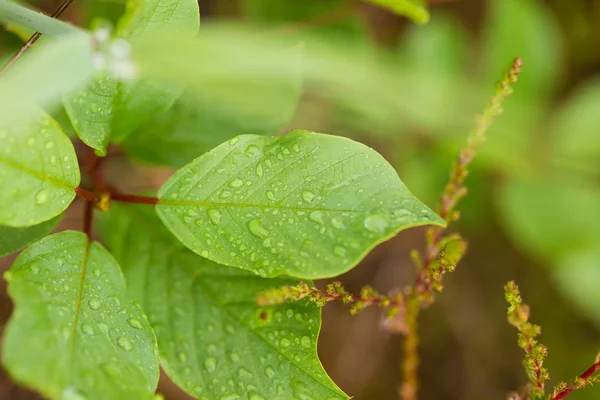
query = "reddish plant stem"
x=585 y=376
x=86 y=194
x=34 y=37
x=88 y=217
x=130 y=198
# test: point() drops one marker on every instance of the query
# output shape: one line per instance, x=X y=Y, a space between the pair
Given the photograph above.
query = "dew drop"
x=41 y=197
x=87 y=329
x=135 y=323
x=308 y=196
x=125 y=343
x=337 y=223
x=210 y=364
x=305 y=342
x=259 y=170
x=257 y=229
x=215 y=216
x=376 y=223
x=269 y=372
x=236 y=183
x=95 y=304
x=340 y=251
x=317 y=216
x=252 y=151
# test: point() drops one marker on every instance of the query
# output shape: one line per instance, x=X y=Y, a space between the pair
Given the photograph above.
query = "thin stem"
x=34 y=37
x=86 y=194
x=88 y=217
x=130 y=198
x=583 y=377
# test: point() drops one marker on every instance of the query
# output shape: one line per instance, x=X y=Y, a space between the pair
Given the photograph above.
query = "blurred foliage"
x=414 y=100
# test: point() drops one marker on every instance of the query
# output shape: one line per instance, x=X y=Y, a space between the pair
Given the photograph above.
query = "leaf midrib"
x=11 y=164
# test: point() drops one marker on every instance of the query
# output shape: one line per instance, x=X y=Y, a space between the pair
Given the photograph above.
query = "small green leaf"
x=38 y=171
x=413 y=9
x=188 y=129
x=14 y=239
x=209 y=327
x=305 y=204
x=74 y=331
x=109 y=110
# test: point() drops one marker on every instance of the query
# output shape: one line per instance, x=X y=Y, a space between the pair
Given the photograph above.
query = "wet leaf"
x=14 y=239
x=109 y=110
x=74 y=333
x=209 y=329
x=305 y=204
x=38 y=171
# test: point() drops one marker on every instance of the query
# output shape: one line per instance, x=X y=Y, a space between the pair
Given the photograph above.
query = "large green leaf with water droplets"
x=74 y=331
x=14 y=239
x=108 y=109
x=413 y=9
x=214 y=342
x=305 y=204
x=38 y=171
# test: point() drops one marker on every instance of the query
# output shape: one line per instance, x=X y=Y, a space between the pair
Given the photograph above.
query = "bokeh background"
x=533 y=210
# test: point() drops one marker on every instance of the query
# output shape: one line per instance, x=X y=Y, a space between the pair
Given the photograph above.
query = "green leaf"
x=43 y=74
x=108 y=109
x=526 y=29
x=14 y=239
x=576 y=126
x=210 y=330
x=38 y=171
x=413 y=9
x=568 y=220
x=74 y=332
x=15 y=13
x=190 y=128
x=577 y=276
x=305 y=204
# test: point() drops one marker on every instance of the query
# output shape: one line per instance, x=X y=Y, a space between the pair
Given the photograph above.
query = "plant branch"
x=430 y=268
x=34 y=37
x=583 y=380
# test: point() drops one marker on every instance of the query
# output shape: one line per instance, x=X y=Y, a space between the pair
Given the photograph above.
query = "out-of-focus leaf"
x=577 y=275
x=38 y=171
x=296 y=18
x=74 y=333
x=109 y=109
x=43 y=74
x=526 y=29
x=190 y=128
x=12 y=12
x=209 y=327
x=14 y=239
x=413 y=9
x=550 y=218
x=577 y=127
x=305 y=204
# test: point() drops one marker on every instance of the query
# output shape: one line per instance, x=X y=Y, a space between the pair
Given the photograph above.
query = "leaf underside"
x=214 y=342
x=74 y=332
x=305 y=204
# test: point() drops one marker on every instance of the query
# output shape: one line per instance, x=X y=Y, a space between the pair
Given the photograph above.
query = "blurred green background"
x=533 y=210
